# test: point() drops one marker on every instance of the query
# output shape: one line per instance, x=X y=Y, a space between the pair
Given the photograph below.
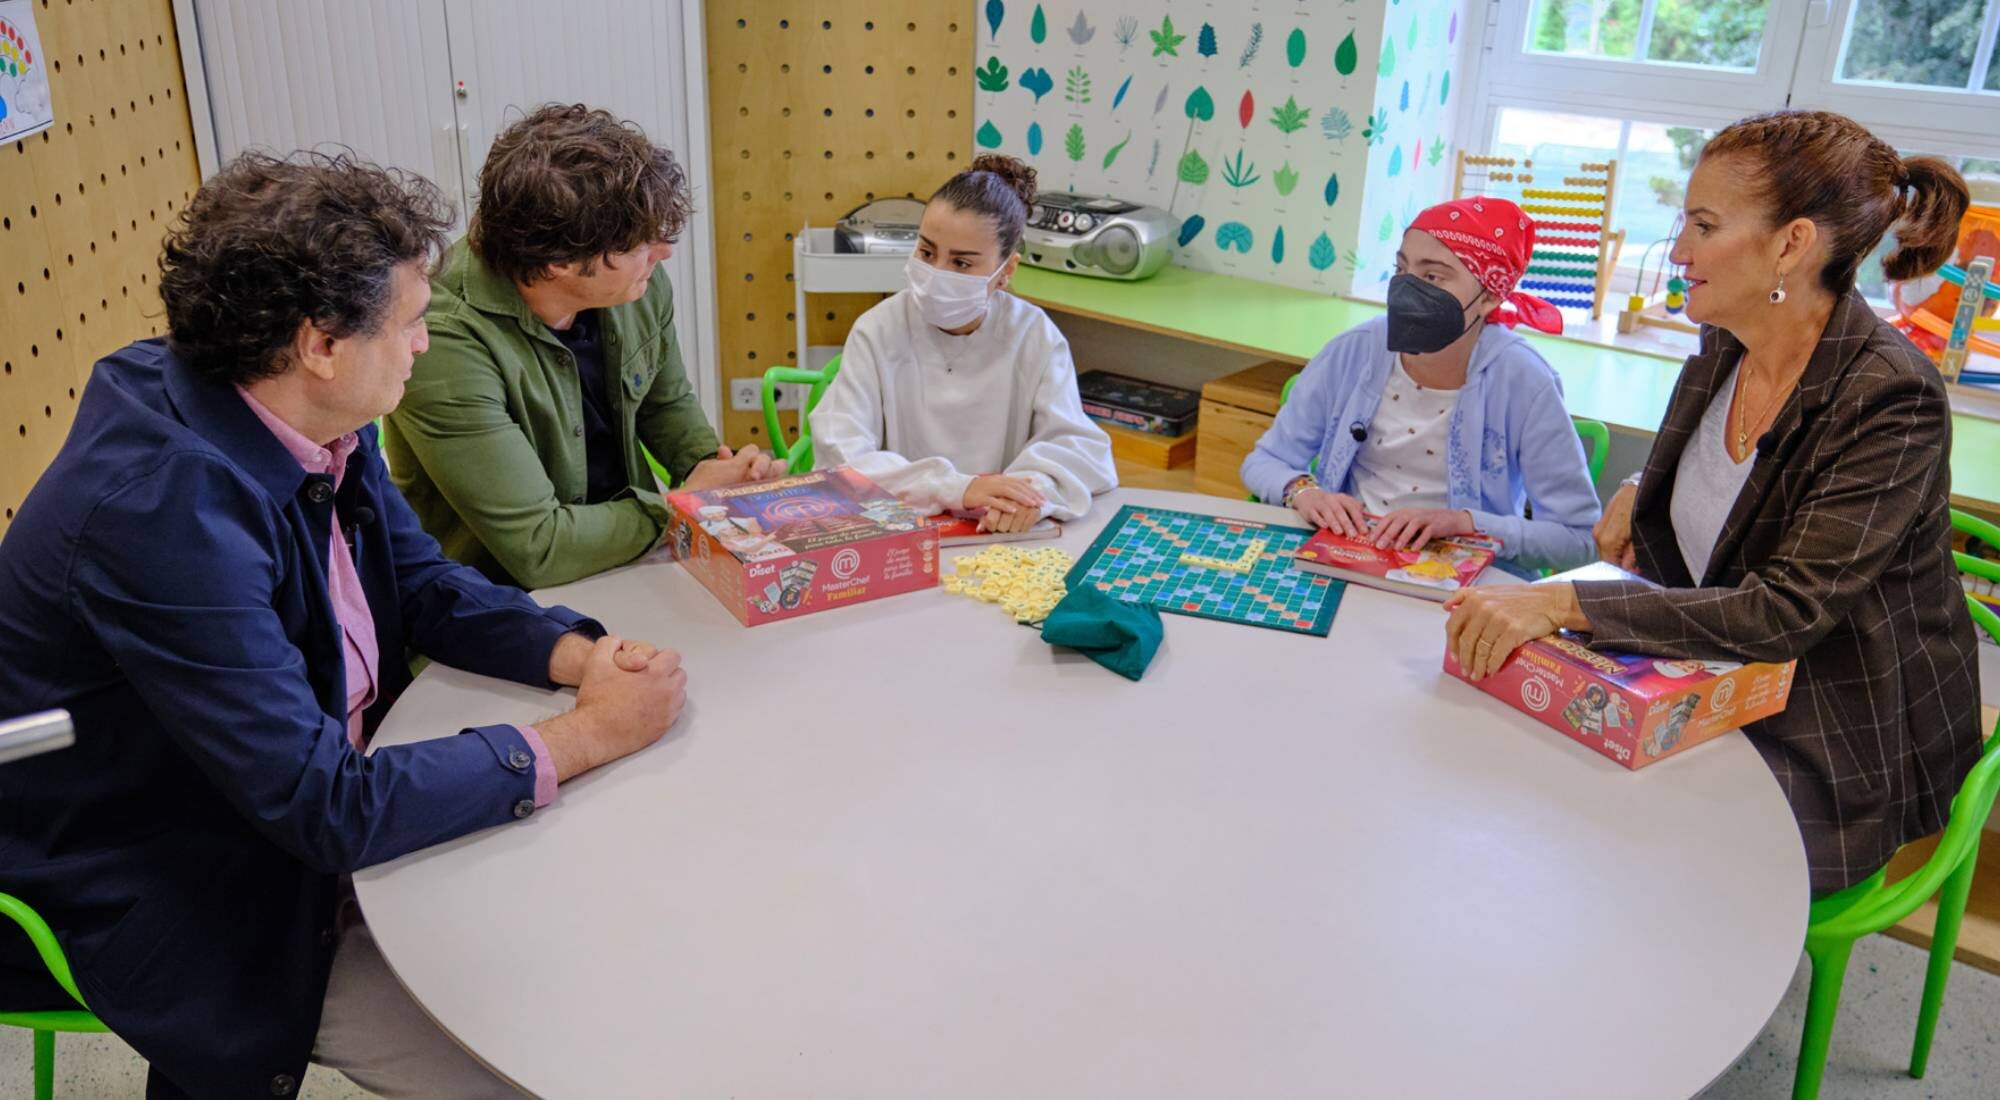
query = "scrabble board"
x=1237 y=571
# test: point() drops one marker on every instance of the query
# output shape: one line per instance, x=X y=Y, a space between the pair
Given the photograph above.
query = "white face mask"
x=949 y=299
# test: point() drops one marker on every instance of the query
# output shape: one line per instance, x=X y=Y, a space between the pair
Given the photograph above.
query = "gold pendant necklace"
x=1736 y=405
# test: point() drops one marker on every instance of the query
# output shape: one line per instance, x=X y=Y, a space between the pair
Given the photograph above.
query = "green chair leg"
x=1829 y=969
x=1944 y=942
x=45 y=1065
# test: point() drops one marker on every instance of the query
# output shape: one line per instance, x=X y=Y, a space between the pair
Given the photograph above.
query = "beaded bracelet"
x=1299 y=485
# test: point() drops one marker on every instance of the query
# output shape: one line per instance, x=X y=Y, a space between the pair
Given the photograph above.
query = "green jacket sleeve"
x=670 y=422
x=455 y=419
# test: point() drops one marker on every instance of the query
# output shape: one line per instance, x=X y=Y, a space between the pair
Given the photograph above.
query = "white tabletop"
x=906 y=848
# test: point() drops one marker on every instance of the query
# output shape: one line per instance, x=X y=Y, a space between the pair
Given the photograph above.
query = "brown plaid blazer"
x=1838 y=554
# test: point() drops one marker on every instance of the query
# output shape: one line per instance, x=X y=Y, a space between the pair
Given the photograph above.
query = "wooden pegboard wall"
x=815 y=108
x=82 y=209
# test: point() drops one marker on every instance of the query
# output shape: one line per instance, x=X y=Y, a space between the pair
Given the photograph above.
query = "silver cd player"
x=1097 y=235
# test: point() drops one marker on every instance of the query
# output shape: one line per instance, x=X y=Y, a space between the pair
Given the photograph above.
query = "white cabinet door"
x=372 y=75
x=630 y=57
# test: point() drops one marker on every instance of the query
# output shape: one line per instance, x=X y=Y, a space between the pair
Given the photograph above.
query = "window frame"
x=1797 y=66
x=1952 y=116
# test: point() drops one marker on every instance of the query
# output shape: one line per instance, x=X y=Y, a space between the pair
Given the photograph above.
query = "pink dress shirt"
x=350 y=601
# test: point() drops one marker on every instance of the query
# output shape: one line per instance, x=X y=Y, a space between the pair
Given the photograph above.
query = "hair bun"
x=1015 y=171
x=1927 y=230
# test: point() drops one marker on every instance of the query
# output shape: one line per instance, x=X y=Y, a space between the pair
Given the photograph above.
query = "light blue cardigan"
x=1512 y=442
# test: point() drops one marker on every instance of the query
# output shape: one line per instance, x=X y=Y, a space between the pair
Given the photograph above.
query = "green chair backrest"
x=797 y=455
x=1597 y=444
x=44 y=940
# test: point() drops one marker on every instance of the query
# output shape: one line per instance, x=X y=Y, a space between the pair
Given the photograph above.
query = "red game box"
x=1631 y=708
x=1432 y=571
x=773 y=549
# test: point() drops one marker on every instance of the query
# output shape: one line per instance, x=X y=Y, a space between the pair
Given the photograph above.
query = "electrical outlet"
x=747 y=395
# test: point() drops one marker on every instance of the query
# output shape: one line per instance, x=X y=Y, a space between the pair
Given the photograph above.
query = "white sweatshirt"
x=922 y=412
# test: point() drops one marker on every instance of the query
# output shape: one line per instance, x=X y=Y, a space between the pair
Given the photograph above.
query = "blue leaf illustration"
x=1034 y=138
x=1332 y=188
x=1191 y=228
x=1403 y=104
x=1039 y=82
x=1120 y=97
x=1395 y=162
x=1234 y=235
x=994 y=10
x=1278 y=246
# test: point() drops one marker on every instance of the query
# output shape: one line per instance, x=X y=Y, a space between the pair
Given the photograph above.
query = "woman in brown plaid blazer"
x=1795 y=503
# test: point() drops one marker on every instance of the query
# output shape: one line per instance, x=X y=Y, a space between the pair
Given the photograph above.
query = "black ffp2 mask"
x=1423 y=318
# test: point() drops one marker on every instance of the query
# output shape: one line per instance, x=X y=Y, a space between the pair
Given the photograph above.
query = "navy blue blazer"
x=166 y=581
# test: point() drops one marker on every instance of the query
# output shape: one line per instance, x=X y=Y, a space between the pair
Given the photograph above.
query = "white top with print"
x=1401 y=464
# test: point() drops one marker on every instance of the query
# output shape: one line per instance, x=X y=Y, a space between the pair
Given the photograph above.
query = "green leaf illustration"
x=1038 y=27
x=1237 y=174
x=1444 y=92
x=1321 y=254
x=1388 y=66
x=989 y=135
x=1193 y=169
x=992 y=77
x=1200 y=106
x=1347 y=56
x=1285 y=179
x=1165 y=41
x=1295 y=47
x=1076 y=86
x=1116 y=149
x=1387 y=229
x=1290 y=118
x=1073 y=142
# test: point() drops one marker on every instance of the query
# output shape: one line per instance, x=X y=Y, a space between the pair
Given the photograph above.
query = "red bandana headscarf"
x=1493 y=238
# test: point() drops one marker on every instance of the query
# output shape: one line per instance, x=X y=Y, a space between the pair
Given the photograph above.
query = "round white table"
x=907 y=849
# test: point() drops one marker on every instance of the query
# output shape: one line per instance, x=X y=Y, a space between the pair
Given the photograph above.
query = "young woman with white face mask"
x=956 y=395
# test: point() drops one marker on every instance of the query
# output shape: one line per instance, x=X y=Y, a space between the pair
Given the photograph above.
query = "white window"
x=1649 y=81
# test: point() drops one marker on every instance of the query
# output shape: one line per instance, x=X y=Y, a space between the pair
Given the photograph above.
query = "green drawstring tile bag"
x=1118 y=635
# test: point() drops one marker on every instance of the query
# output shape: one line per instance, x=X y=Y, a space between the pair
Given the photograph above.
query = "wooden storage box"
x=1236 y=411
x=1161 y=452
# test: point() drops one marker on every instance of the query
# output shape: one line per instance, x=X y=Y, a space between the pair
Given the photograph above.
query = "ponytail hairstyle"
x=1830 y=170
x=998 y=188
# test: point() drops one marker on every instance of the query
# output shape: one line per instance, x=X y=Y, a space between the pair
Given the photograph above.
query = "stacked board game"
x=773 y=549
x=1238 y=571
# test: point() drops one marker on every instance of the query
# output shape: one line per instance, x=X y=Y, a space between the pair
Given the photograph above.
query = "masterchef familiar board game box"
x=773 y=549
x=1633 y=709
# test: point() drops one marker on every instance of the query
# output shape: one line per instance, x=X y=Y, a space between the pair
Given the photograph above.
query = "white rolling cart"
x=818 y=269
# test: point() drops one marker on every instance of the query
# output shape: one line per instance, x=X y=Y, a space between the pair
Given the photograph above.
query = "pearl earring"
x=1778 y=295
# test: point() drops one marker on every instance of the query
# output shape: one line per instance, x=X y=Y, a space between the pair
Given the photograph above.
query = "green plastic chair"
x=45 y=1024
x=1596 y=444
x=1870 y=906
x=797 y=455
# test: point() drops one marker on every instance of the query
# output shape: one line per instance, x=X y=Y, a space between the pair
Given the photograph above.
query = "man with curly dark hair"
x=554 y=366
x=217 y=580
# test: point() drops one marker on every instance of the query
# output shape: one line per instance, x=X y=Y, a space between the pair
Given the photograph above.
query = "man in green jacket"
x=553 y=360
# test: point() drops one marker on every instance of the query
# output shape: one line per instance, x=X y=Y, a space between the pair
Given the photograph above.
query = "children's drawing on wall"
x=25 y=108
